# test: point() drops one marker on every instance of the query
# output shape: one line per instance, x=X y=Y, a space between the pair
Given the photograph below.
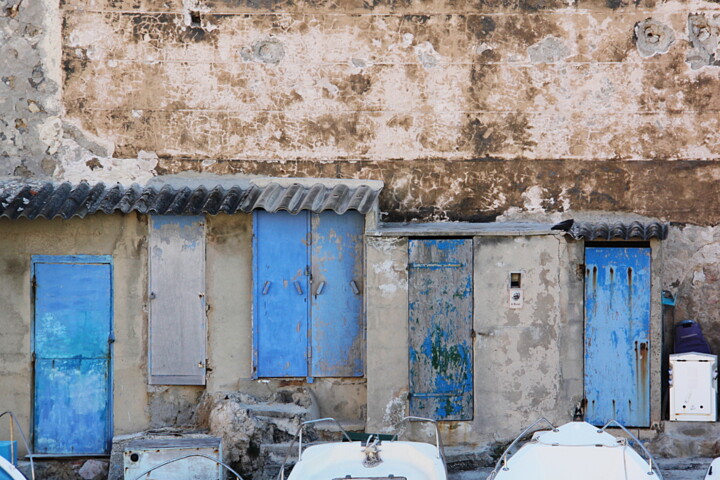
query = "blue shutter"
x=617 y=328
x=440 y=290
x=72 y=330
x=281 y=294
x=337 y=283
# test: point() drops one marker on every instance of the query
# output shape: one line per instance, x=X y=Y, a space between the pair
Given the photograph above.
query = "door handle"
x=320 y=288
x=298 y=287
x=354 y=287
x=266 y=287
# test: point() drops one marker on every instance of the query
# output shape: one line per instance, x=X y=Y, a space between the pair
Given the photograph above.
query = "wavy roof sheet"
x=66 y=200
x=618 y=231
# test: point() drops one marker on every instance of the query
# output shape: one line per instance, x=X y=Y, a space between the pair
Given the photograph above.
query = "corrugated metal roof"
x=49 y=200
x=616 y=231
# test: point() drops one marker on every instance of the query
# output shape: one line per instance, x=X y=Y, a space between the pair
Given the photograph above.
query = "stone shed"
x=244 y=305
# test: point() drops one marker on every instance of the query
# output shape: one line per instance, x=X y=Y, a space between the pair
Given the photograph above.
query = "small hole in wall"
x=195 y=20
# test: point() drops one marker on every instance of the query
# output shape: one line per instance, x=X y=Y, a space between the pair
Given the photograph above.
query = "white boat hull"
x=575 y=451
x=398 y=460
x=713 y=472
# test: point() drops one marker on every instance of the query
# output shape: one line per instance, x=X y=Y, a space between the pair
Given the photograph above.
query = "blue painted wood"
x=73 y=323
x=281 y=294
x=336 y=298
x=617 y=335
x=440 y=294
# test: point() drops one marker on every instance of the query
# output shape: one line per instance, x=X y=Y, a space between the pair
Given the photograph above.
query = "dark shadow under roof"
x=31 y=200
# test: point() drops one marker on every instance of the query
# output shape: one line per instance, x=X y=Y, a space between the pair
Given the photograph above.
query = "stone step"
x=276 y=410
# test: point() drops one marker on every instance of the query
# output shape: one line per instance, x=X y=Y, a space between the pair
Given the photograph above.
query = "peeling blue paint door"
x=617 y=335
x=72 y=336
x=440 y=327
x=336 y=298
x=281 y=294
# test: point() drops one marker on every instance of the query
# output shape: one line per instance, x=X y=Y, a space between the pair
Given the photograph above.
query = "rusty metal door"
x=617 y=335
x=440 y=328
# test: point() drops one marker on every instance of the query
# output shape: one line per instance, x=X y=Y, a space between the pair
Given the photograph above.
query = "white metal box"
x=693 y=387
x=142 y=454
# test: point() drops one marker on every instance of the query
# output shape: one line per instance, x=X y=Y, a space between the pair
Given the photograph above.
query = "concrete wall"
x=529 y=360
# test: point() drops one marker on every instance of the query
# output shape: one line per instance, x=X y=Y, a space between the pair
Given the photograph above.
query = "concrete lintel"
x=460 y=229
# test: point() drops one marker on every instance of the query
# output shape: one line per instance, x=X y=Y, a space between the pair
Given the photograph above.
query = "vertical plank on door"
x=617 y=332
x=281 y=291
x=337 y=286
x=440 y=326
x=72 y=330
x=177 y=300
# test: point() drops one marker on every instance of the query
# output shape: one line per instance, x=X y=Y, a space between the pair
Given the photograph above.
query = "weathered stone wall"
x=411 y=80
x=465 y=109
x=30 y=85
x=691 y=271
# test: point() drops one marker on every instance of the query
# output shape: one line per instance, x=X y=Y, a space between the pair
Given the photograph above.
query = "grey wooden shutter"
x=177 y=330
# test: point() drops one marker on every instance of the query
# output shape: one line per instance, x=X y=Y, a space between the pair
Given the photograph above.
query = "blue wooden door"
x=617 y=335
x=281 y=294
x=72 y=347
x=336 y=297
x=440 y=327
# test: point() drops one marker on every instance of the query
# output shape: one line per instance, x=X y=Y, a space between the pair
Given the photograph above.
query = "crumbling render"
x=652 y=37
x=703 y=36
x=550 y=50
